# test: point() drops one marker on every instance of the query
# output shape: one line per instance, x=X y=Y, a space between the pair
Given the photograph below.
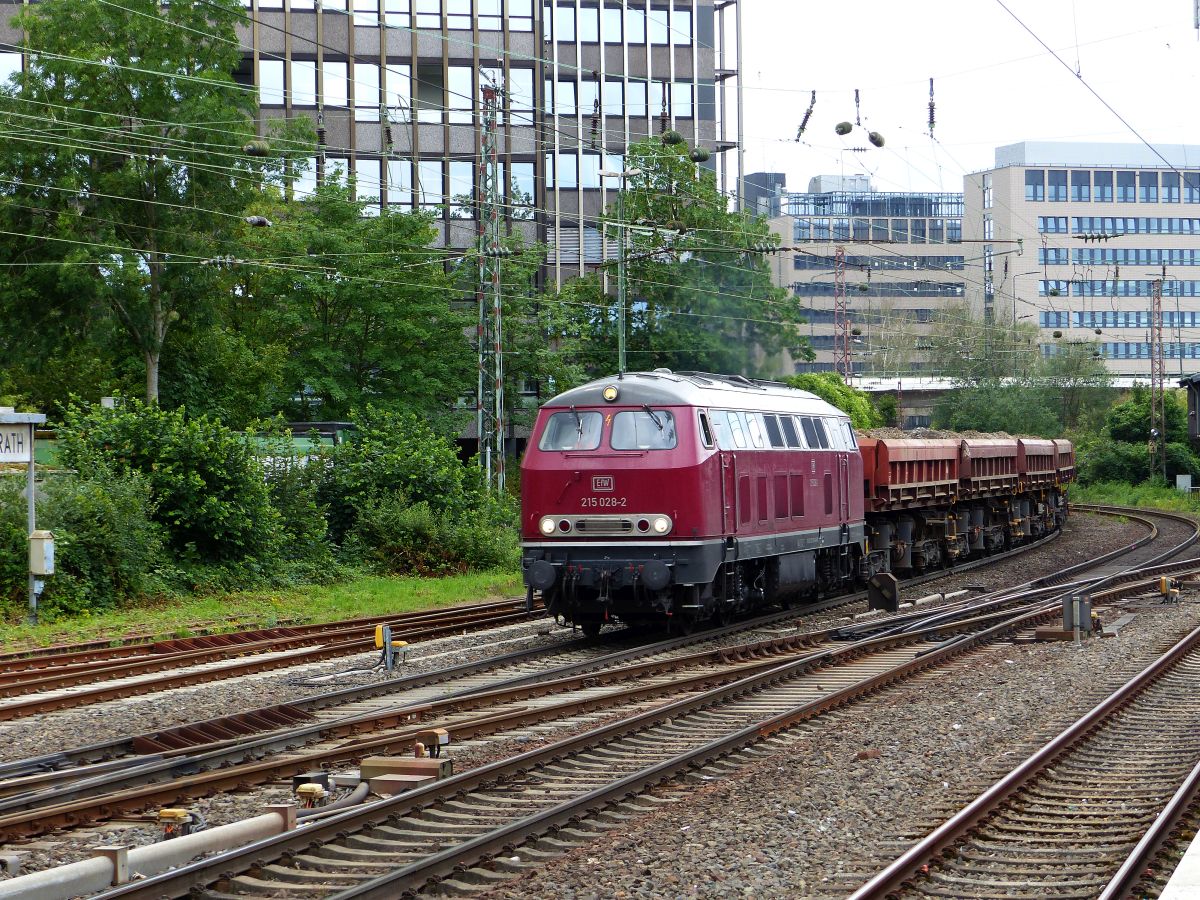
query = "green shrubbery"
x=164 y=502
x=108 y=547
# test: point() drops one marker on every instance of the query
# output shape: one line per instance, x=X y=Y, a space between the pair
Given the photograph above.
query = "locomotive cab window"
x=572 y=431
x=851 y=440
x=822 y=436
x=735 y=430
x=644 y=429
x=706 y=432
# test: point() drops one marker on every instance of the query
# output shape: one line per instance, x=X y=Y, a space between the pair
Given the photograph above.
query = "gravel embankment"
x=816 y=818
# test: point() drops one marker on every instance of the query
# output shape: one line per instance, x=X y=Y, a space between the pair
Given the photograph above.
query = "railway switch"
x=311 y=795
x=389 y=648
x=178 y=822
x=433 y=741
x=1169 y=589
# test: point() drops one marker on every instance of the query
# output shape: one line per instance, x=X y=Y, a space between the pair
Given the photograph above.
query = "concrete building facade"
x=1074 y=237
x=904 y=264
x=395 y=86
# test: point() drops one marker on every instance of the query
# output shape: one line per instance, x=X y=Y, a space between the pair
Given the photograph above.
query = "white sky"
x=994 y=84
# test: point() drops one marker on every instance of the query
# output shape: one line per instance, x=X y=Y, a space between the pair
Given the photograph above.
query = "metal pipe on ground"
x=117 y=866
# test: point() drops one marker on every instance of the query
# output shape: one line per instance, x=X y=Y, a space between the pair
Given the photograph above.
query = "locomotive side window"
x=822 y=437
x=736 y=429
x=755 y=426
x=774 y=432
x=645 y=429
x=706 y=432
x=810 y=432
x=572 y=431
x=789 y=431
x=851 y=440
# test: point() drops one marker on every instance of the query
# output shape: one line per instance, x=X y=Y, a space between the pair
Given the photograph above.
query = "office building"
x=903 y=263
x=1075 y=236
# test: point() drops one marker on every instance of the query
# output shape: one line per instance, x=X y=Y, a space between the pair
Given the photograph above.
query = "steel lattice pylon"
x=1158 y=374
x=842 y=360
x=489 y=402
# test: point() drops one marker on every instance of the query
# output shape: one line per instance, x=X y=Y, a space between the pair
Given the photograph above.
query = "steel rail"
x=962 y=823
x=1137 y=865
x=202 y=873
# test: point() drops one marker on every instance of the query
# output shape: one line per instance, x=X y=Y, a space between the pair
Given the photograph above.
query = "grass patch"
x=1142 y=496
x=366 y=596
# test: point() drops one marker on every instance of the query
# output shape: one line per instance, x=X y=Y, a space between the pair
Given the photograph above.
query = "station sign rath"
x=16 y=443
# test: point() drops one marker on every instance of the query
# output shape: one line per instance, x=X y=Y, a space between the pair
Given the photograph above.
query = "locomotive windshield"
x=572 y=431
x=647 y=429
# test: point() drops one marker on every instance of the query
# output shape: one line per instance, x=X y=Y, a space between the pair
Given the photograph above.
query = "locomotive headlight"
x=547 y=525
x=661 y=524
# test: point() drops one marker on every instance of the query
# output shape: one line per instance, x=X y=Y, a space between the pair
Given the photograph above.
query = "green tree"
x=123 y=163
x=991 y=405
x=363 y=304
x=1129 y=421
x=700 y=293
x=830 y=387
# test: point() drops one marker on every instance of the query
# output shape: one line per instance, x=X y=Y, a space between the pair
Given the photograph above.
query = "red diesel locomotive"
x=678 y=497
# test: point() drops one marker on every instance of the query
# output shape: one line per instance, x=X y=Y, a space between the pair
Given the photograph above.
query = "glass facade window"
x=396 y=13
x=304 y=82
x=635 y=98
x=1052 y=224
x=917 y=232
x=560 y=98
x=334 y=84
x=10 y=65
x=1147 y=187
x=681 y=99
x=270 y=82
x=900 y=231
x=366 y=184
x=458 y=15
x=613 y=103
x=1056 y=185
x=304 y=175
x=462 y=189
x=610 y=25
x=589 y=170
x=880 y=230
x=520 y=15
x=1191 y=187
x=399 y=183
x=1170 y=187
x=1103 y=182
x=521 y=190
x=1035 y=184
x=635 y=26
x=658 y=25
x=1081 y=186
x=564 y=24
x=430 y=93
x=681 y=25
x=562 y=171
x=937 y=231
x=429 y=183
x=491 y=16
x=397 y=94
x=460 y=90
x=366 y=92
x=589 y=25
x=988 y=191
x=954 y=231
x=1126 y=187
x=429 y=13
x=861 y=230
x=520 y=95
x=366 y=12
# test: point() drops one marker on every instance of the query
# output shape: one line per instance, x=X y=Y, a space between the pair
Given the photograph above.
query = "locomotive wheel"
x=591 y=628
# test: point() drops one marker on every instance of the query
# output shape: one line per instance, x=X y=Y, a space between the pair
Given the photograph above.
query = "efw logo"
x=602 y=483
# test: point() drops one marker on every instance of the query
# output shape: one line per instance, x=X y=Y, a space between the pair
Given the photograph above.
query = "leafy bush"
x=1110 y=461
x=830 y=387
x=107 y=547
x=395 y=538
x=208 y=487
x=393 y=455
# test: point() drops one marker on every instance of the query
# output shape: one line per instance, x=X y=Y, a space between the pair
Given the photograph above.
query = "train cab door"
x=843 y=480
x=729 y=499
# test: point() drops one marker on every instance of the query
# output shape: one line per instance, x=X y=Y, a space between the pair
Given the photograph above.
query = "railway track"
x=1064 y=823
x=645 y=683
x=118 y=777
x=78 y=678
x=344 y=859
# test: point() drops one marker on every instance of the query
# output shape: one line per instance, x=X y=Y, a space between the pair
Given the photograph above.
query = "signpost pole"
x=31 y=507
